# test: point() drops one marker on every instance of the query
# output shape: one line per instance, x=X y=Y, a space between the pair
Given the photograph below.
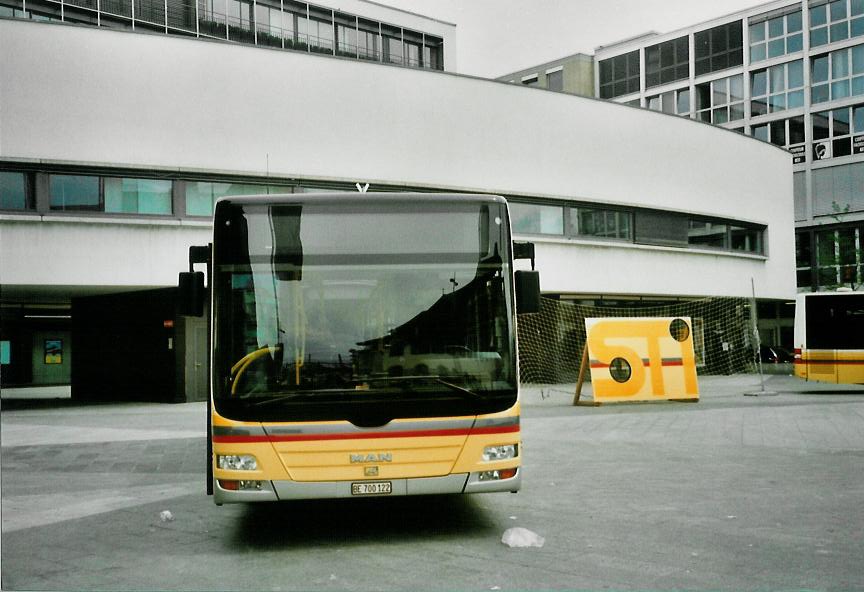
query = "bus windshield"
x=366 y=312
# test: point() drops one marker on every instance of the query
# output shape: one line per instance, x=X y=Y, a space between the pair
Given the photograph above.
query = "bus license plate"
x=377 y=488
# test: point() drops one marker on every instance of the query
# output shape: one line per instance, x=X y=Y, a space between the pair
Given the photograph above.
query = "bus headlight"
x=237 y=462
x=500 y=452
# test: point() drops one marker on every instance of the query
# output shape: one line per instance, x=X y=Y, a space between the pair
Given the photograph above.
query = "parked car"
x=774 y=354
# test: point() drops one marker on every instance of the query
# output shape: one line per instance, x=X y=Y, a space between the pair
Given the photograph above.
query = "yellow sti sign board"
x=642 y=359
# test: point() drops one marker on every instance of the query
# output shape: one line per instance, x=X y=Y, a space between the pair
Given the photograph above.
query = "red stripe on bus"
x=363 y=436
x=840 y=362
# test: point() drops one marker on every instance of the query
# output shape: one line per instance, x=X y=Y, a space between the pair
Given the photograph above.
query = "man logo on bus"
x=372 y=457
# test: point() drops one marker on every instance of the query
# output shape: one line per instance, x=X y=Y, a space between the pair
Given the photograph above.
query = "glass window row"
x=838 y=132
x=667 y=62
x=837 y=75
x=834 y=75
x=716 y=49
x=140 y=196
x=619 y=75
x=721 y=101
x=635 y=226
x=285 y=24
x=836 y=21
x=777 y=88
x=776 y=36
x=121 y=195
x=835 y=133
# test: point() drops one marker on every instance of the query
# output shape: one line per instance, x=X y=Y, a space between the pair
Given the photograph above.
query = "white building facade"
x=114 y=145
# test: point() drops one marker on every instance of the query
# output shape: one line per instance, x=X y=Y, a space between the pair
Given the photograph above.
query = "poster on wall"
x=799 y=154
x=822 y=150
x=53 y=351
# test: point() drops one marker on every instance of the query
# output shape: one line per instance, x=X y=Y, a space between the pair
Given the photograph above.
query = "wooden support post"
x=582 y=368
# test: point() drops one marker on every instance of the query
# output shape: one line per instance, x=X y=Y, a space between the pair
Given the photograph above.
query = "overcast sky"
x=496 y=37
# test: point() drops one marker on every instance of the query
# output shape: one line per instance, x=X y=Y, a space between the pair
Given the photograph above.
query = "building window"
x=826 y=258
x=268 y=24
x=799 y=191
x=555 y=80
x=722 y=235
x=849 y=244
x=707 y=234
x=776 y=36
x=433 y=53
x=599 y=223
x=667 y=62
x=721 y=101
x=320 y=30
x=211 y=16
x=745 y=239
x=619 y=75
x=838 y=257
x=150 y=12
x=95 y=194
x=201 y=196
x=673 y=101
x=837 y=75
x=392 y=44
x=836 y=189
x=777 y=88
x=274 y=23
x=239 y=17
x=412 y=48
x=785 y=133
x=838 y=132
x=16 y=191
x=346 y=35
x=530 y=80
x=660 y=228
x=137 y=196
x=180 y=14
x=836 y=21
x=368 y=41
x=75 y=193
x=536 y=219
x=803 y=252
x=719 y=48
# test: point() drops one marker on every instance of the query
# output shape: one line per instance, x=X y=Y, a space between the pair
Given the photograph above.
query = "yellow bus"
x=829 y=337
x=361 y=345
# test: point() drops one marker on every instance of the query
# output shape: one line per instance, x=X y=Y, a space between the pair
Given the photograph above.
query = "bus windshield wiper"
x=359 y=393
x=433 y=378
x=292 y=396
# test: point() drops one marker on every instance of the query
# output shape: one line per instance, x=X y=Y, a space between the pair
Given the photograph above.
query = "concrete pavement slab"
x=729 y=493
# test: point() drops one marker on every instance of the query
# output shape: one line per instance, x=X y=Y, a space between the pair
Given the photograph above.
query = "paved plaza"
x=732 y=492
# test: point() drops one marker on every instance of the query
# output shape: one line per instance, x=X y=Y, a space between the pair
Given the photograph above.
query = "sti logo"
x=372 y=457
x=642 y=359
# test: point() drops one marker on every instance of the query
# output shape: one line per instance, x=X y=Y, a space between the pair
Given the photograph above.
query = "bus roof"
x=846 y=292
x=361 y=197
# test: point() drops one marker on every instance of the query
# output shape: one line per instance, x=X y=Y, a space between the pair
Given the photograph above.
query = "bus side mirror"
x=527 y=291
x=191 y=294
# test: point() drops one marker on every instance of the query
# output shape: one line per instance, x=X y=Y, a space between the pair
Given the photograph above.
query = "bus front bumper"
x=272 y=491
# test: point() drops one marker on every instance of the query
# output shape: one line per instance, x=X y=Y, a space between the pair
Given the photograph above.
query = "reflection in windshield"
x=317 y=299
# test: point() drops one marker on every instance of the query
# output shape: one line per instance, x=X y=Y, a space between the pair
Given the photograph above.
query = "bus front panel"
x=363 y=348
